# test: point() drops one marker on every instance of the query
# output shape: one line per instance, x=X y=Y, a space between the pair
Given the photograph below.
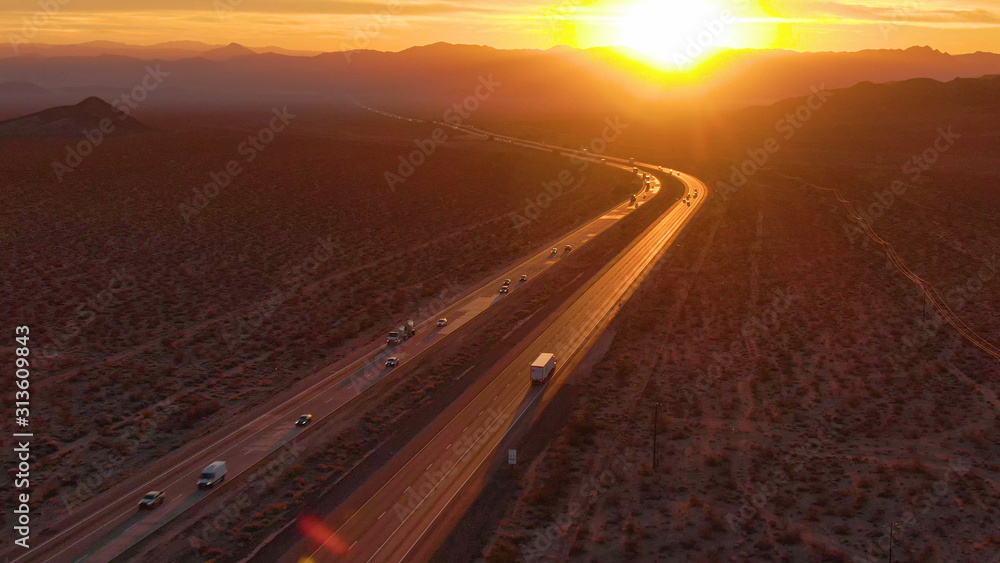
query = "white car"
x=555 y=251
x=151 y=500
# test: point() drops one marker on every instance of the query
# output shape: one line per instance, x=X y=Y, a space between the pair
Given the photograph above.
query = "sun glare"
x=675 y=33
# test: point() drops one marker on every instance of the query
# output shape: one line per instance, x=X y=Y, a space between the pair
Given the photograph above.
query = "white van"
x=214 y=473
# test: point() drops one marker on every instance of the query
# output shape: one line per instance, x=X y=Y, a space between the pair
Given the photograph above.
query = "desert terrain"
x=170 y=305
x=805 y=398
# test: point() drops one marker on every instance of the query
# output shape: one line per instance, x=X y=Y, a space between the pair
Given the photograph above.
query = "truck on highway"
x=542 y=368
x=402 y=333
x=214 y=473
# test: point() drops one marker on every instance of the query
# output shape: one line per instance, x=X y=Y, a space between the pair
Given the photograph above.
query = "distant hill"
x=71 y=121
x=230 y=51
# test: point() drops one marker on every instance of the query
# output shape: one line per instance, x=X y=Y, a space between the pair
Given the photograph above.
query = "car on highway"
x=504 y=289
x=151 y=500
x=524 y=277
x=506 y=281
x=569 y=247
x=442 y=322
x=392 y=362
x=304 y=419
x=555 y=251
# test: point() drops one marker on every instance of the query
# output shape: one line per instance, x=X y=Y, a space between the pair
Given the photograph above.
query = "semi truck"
x=402 y=333
x=542 y=368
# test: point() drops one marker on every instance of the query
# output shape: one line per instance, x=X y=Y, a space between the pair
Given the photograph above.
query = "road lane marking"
x=644 y=259
x=330 y=380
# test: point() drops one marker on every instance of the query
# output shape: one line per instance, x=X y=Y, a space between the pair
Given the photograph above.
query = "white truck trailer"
x=542 y=368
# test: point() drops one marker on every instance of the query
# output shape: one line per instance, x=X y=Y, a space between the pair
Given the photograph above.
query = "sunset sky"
x=656 y=28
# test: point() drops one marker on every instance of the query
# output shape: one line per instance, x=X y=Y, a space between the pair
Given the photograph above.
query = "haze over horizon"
x=655 y=29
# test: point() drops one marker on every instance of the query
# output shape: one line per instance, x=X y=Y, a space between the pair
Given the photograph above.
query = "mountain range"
x=430 y=79
x=168 y=51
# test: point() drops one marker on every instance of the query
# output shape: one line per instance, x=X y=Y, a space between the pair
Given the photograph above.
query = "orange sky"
x=657 y=28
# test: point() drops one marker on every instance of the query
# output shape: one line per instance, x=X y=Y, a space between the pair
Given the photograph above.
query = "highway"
x=110 y=523
x=432 y=481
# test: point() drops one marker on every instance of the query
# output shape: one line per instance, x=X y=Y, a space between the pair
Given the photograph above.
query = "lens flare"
x=328 y=540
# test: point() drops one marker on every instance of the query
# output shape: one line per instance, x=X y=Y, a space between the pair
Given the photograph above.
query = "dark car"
x=304 y=419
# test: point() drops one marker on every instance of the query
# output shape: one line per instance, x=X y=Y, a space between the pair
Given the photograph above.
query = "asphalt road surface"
x=109 y=524
x=432 y=481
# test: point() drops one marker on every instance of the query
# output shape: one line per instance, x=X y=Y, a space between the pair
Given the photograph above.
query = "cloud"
x=291 y=7
x=912 y=11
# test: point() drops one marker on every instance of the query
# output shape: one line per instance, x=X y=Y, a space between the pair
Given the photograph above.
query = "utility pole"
x=656 y=414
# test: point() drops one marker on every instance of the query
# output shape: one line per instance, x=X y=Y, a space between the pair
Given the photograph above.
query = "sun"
x=674 y=32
